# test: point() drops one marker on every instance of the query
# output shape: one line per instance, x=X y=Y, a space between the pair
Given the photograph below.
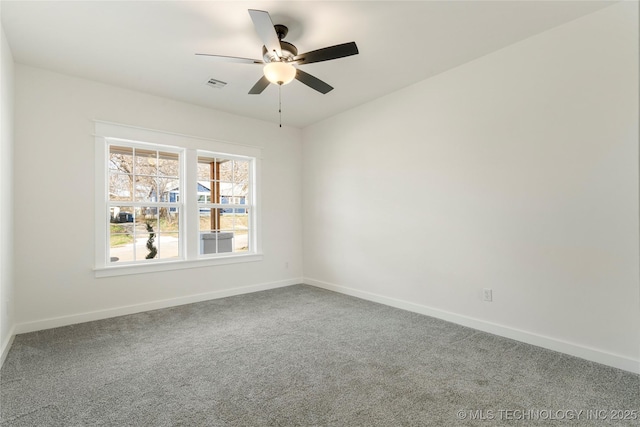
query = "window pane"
x=226 y=170
x=227 y=220
x=121 y=159
x=146 y=233
x=205 y=220
x=120 y=186
x=169 y=189
x=168 y=164
x=226 y=193
x=146 y=162
x=209 y=219
x=241 y=241
x=168 y=245
x=241 y=190
x=240 y=187
x=203 y=170
x=238 y=223
x=169 y=220
x=121 y=234
x=204 y=192
x=120 y=214
x=145 y=189
x=146 y=215
x=215 y=242
x=241 y=173
x=208 y=176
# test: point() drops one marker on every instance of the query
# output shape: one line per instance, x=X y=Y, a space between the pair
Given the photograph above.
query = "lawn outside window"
x=166 y=201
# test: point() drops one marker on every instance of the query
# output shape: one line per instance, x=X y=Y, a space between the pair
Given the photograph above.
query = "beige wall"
x=516 y=172
x=54 y=188
x=6 y=201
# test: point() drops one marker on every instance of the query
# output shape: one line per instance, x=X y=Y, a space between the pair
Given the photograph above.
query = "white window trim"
x=189 y=229
x=108 y=203
x=251 y=199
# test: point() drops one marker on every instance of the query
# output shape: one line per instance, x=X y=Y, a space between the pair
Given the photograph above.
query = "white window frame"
x=249 y=198
x=137 y=204
x=189 y=147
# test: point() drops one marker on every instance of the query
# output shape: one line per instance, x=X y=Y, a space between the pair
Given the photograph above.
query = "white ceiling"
x=149 y=46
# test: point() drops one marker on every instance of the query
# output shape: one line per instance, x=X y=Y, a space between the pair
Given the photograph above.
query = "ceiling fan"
x=279 y=56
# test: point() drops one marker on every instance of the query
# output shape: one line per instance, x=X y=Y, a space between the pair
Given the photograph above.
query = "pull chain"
x=280 y=102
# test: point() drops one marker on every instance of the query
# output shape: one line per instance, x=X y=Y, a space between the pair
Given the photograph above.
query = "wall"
x=54 y=197
x=6 y=201
x=516 y=172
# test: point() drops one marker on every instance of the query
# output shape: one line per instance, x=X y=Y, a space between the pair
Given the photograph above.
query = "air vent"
x=216 y=84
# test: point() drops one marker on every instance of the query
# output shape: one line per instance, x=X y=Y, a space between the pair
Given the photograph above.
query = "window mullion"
x=190 y=194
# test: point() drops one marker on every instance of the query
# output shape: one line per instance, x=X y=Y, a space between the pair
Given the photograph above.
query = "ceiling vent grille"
x=216 y=84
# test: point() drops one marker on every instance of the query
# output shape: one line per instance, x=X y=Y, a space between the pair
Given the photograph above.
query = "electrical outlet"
x=487 y=295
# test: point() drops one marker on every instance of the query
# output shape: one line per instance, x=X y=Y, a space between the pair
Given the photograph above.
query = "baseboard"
x=56 y=322
x=594 y=355
x=6 y=345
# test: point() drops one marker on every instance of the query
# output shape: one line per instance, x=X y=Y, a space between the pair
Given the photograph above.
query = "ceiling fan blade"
x=223 y=58
x=266 y=31
x=259 y=86
x=313 y=82
x=327 y=53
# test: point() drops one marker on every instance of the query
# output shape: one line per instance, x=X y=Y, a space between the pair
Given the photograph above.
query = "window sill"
x=127 y=269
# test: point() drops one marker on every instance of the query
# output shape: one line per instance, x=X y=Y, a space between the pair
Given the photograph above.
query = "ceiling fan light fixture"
x=279 y=73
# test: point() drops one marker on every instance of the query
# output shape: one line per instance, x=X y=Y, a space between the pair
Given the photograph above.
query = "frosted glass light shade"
x=279 y=72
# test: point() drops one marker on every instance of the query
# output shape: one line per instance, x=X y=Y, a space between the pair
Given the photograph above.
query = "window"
x=143 y=202
x=224 y=216
x=166 y=201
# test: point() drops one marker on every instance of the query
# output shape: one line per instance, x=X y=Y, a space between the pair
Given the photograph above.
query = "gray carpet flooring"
x=299 y=356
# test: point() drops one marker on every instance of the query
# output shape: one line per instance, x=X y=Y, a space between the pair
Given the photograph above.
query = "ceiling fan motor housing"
x=288 y=50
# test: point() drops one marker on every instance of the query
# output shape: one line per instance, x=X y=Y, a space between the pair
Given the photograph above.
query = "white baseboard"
x=583 y=352
x=6 y=345
x=73 y=319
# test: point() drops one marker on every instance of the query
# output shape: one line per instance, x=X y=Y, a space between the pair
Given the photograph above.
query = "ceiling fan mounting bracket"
x=281 y=31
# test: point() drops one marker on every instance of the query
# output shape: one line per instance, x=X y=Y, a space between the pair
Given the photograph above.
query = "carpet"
x=300 y=356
